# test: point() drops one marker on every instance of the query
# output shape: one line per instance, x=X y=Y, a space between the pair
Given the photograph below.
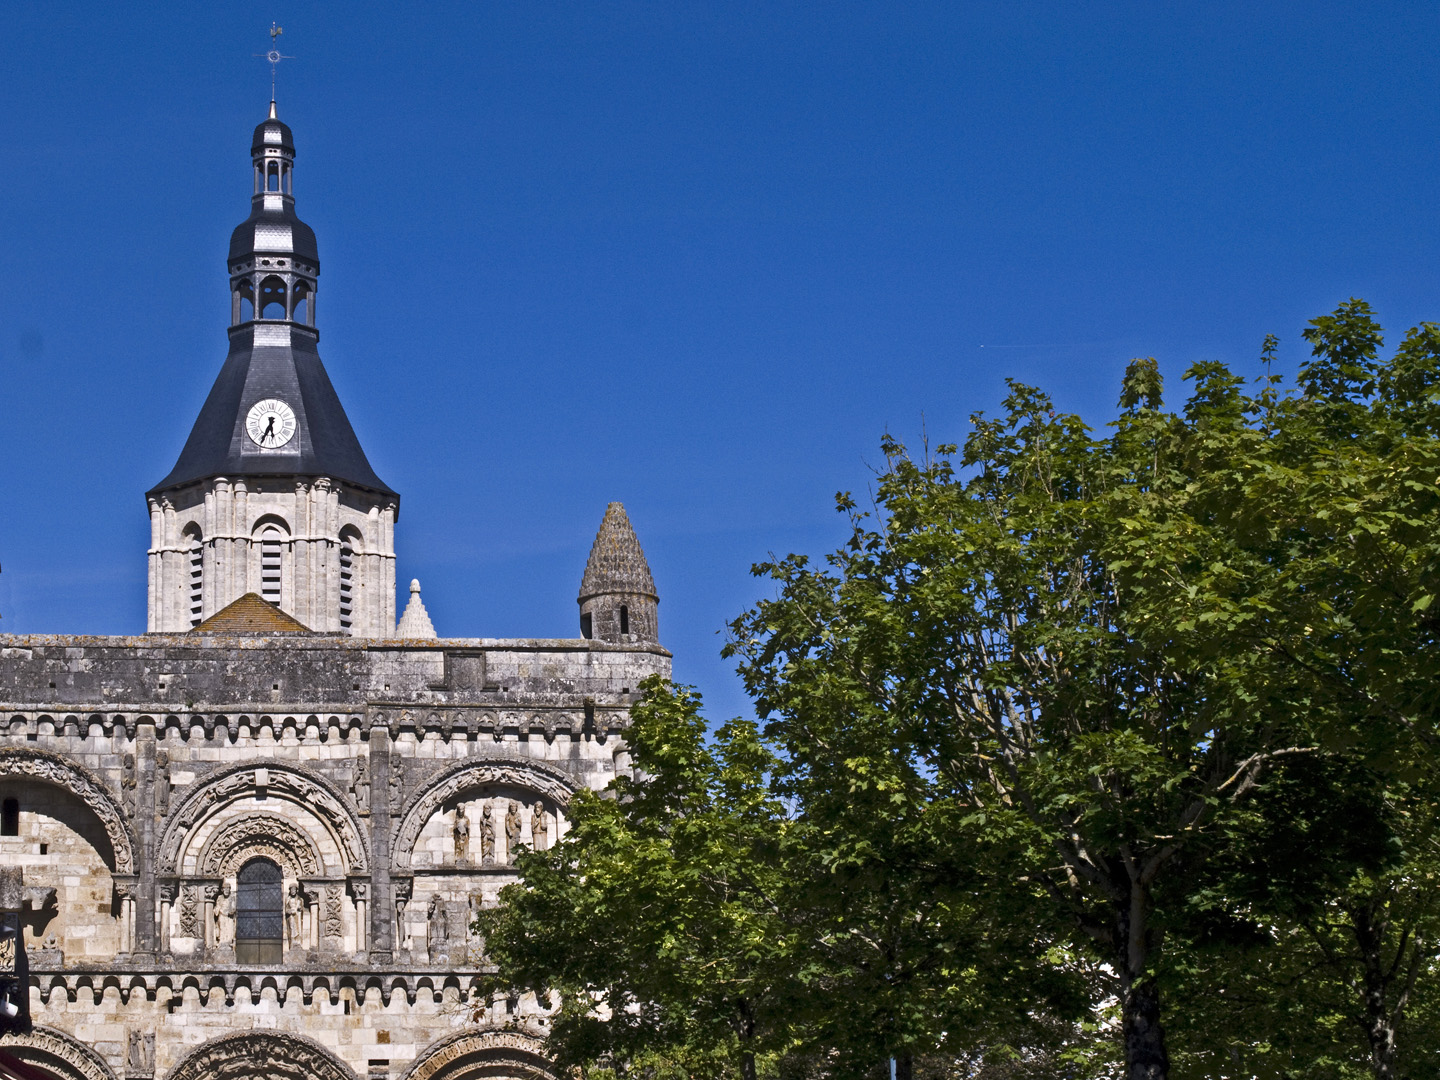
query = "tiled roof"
x=251 y=615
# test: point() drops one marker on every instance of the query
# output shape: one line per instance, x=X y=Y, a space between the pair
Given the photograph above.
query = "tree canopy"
x=1087 y=751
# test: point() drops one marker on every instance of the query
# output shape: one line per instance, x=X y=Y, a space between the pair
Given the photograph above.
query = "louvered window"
x=270 y=563
x=347 y=586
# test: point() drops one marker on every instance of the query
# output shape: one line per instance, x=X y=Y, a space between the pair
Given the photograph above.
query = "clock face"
x=270 y=423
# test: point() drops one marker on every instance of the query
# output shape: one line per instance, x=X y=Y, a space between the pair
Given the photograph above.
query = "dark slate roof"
x=617 y=563
x=277 y=231
x=251 y=614
x=324 y=443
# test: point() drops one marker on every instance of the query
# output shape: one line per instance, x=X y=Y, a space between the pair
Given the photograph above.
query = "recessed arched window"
x=350 y=544
x=259 y=913
x=624 y=619
x=272 y=298
x=586 y=627
x=195 y=557
x=271 y=537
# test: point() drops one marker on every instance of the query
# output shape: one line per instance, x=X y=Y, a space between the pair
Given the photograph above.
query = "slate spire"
x=274 y=264
x=618 y=601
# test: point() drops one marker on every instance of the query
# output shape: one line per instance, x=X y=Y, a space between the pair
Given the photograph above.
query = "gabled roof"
x=251 y=615
x=617 y=562
x=324 y=443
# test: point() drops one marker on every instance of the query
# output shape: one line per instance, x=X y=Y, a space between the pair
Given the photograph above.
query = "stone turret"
x=618 y=601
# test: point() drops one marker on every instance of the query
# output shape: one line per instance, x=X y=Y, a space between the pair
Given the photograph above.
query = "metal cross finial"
x=274 y=55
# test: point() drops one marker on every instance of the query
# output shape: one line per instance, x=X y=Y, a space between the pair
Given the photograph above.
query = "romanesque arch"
x=285 y=780
x=264 y=836
x=536 y=776
x=58 y=1054
x=41 y=765
x=261 y=1055
x=472 y=1055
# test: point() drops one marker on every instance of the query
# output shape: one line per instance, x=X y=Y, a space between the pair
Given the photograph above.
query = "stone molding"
x=223 y=982
x=235 y=782
x=482 y=1053
x=58 y=1053
x=273 y=1055
x=51 y=768
x=264 y=835
x=534 y=776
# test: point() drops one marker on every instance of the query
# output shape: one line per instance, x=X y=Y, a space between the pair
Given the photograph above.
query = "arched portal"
x=491 y=1055
x=260 y=1055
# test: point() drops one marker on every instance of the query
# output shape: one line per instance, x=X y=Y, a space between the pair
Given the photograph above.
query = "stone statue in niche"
x=224 y=915
x=140 y=1053
x=512 y=832
x=360 y=786
x=162 y=782
x=127 y=783
x=437 y=919
x=461 y=835
x=539 y=826
x=397 y=782
x=294 y=916
x=487 y=835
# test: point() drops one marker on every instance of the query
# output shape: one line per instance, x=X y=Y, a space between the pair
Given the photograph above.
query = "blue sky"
x=694 y=257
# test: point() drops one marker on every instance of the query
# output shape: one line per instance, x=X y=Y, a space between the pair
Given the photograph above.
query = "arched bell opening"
x=273 y=298
x=302 y=307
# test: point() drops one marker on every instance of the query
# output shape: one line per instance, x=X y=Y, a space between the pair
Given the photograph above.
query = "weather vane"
x=274 y=55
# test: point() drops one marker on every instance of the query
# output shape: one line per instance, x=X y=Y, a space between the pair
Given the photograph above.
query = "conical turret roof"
x=617 y=563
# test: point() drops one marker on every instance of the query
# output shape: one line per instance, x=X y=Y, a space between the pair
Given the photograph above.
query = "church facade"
x=250 y=841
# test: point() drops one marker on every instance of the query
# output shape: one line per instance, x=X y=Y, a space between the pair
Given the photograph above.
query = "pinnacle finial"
x=617 y=562
x=272 y=110
x=415 y=622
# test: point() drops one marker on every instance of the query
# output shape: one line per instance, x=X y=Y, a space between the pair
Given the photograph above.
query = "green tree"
x=1300 y=561
x=1104 y=649
x=654 y=920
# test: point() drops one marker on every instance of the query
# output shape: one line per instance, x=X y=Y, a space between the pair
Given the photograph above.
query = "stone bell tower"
x=272 y=493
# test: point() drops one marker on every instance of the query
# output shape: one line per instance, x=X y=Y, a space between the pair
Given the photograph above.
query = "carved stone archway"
x=285 y=779
x=263 y=835
x=261 y=1055
x=41 y=765
x=534 y=776
x=58 y=1054
x=471 y=1055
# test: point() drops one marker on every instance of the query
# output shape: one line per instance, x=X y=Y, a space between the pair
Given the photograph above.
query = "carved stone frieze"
x=50 y=768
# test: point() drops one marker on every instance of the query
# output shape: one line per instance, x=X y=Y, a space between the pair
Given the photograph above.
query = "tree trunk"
x=1145 y=1055
x=904 y=1067
x=1379 y=1026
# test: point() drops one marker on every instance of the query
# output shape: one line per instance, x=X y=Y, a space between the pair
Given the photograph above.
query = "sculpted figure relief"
x=512 y=832
x=461 y=835
x=539 y=826
x=140 y=1054
x=127 y=783
x=487 y=835
x=438 y=921
x=360 y=786
x=162 y=782
x=224 y=915
x=294 y=916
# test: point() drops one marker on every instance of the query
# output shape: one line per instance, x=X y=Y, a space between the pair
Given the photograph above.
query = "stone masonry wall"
x=391 y=782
